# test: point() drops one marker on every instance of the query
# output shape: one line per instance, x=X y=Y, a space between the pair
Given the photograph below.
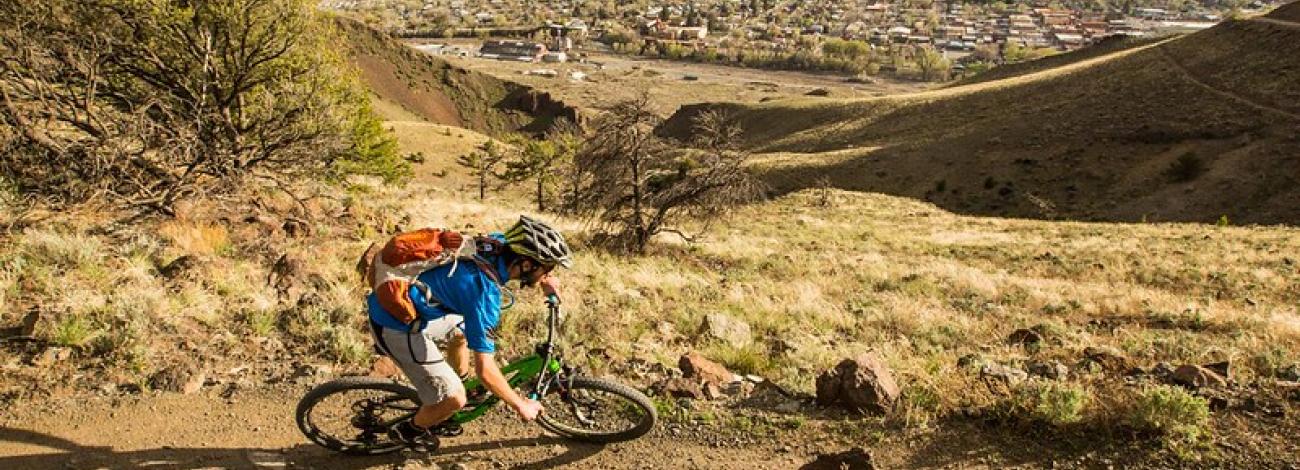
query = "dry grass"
x=816 y=282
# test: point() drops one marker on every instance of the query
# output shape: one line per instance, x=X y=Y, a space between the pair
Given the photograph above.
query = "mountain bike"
x=352 y=415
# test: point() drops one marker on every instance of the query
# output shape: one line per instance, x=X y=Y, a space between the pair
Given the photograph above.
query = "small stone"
x=179 y=267
x=1025 y=337
x=696 y=366
x=51 y=356
x=970 y=360
x=1110 y=359
x=1008 y=376
x=727 y=329
x=384 y=368
x=1289 y=373
x=678 y=387
x=1048 y=369
x=296 y=228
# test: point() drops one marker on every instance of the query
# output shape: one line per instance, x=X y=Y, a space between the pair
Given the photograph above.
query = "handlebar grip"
x=553 y=300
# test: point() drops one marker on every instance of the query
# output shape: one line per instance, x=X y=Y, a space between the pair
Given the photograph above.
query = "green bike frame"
x=517 y=373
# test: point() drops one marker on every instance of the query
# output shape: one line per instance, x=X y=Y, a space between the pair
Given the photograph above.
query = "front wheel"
x=597 y=410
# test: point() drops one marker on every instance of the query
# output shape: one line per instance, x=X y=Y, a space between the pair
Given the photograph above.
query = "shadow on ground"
x=59 y=453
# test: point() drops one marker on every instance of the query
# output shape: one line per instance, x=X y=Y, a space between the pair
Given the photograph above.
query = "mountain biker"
x=466 y=296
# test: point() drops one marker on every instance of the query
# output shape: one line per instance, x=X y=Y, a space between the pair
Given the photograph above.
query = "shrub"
x=73 y=331
x=1187 y=167
x=1177 y=415
x=1060 y=404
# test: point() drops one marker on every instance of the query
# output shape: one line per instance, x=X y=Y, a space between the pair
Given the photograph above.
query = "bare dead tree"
x=149 y=101
x=638 y=185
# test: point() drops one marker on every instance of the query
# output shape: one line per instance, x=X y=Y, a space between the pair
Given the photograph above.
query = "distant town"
x=920 y=39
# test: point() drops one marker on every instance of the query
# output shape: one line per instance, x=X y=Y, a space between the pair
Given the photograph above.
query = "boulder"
x=727 y=329
x=1008 y=376
x=863 y=384
x=696 y=366
x=1052 y=370
x=1195 y=377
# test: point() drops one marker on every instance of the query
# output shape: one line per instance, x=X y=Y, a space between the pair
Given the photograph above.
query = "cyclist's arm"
x=491 y=375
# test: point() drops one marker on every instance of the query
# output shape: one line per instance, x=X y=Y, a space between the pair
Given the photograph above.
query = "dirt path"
x=1277 y=22
x=256 y=430
x=1187 y=74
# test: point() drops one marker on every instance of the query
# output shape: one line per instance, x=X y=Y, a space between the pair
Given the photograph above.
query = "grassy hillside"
x=408 y=82
x=1190 y=129
x=817 y=276
x=1109 y=45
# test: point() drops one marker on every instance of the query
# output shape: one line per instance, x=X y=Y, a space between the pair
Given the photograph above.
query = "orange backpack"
x=402 y=259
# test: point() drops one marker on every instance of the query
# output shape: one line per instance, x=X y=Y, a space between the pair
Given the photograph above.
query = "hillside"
x=1188 y=129
x=406 y=82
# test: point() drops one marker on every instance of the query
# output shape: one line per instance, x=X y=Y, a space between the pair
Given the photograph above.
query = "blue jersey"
x=468 y=292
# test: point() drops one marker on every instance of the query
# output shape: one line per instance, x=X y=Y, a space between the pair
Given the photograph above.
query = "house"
x=522 y=51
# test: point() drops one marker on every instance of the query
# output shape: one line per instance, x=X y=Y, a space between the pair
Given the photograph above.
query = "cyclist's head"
x=539 y=244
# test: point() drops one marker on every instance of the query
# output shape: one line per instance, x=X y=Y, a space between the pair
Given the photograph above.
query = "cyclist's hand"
x=550 y=286
x=528 y=409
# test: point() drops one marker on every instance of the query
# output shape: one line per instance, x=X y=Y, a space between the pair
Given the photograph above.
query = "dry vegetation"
x=817 y=280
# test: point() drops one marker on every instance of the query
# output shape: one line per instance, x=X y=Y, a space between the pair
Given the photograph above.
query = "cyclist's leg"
x=451 y=337
x=439 y=388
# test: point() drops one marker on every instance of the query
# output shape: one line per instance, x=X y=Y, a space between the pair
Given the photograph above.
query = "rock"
x=1025 y=337
x=678 y=387
x=863 y=384
x=304 y=372
x=1195 y=377
x=1162 y=369
x=288 y=276
x=296 y=228
x=727 y=329
x=185 y=378
x=365 y=262
x=770 y=396
x=28 y=327
x=51 y=356
x=1289 y=373
x=818 y=92
x=1110 y=359
x=1008 y=376
x=696 y=366
x=1223 y=368
x=385 y=368
x=1048 y=369
x=179 y=267
x=854 y=459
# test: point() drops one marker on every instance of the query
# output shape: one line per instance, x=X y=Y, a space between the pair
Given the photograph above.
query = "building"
x=522 y=51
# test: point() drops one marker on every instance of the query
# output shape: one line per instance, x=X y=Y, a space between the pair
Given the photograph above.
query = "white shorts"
x=419 y=356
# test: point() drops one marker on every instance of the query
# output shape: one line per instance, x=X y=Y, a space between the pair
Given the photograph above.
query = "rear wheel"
x=352 y=414
x=598 y=410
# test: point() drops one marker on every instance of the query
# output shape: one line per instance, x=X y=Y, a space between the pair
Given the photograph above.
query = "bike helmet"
x=534 y=239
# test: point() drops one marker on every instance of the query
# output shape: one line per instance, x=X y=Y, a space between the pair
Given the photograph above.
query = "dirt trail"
x=1191 y=77
x=256 y=430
